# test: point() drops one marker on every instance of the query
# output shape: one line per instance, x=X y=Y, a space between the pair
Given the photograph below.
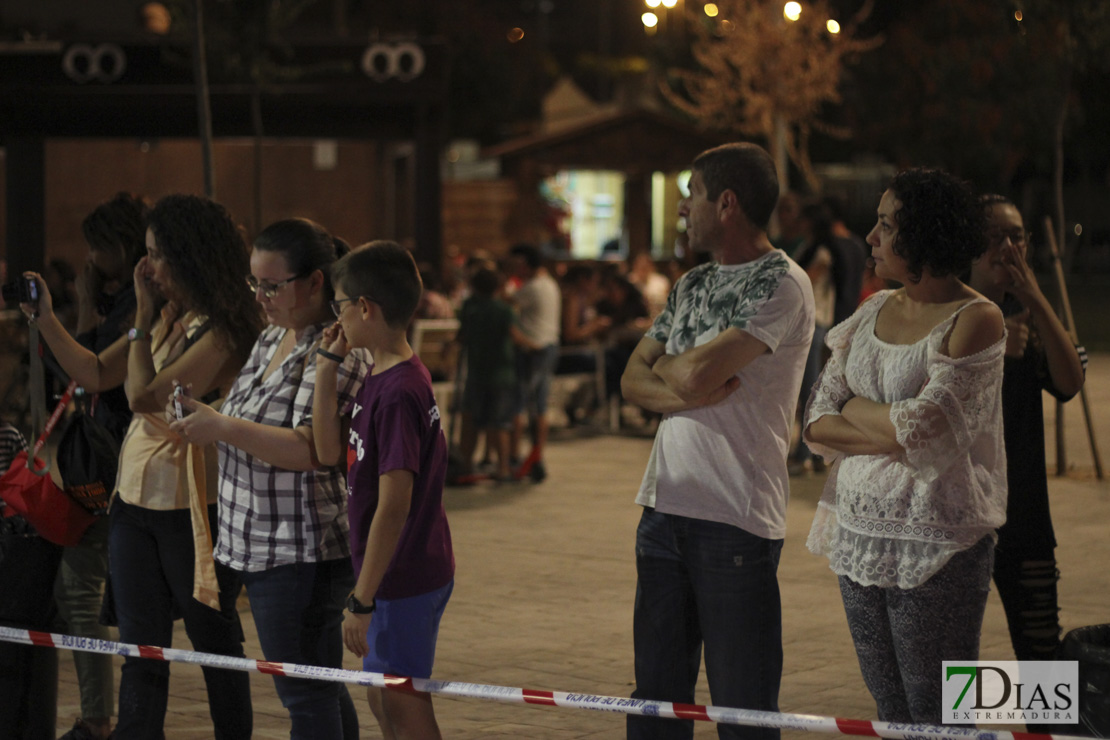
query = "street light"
x=792 y=11
x=650 y=20
x=711 y=10
x=670 y=3
x=833 y=26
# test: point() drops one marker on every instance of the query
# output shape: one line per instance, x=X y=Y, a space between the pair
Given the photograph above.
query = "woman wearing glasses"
x=160 y=557
x=1039 y=356
x=283 y=517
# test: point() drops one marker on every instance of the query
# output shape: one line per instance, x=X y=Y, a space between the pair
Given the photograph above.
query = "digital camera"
x=21 y=290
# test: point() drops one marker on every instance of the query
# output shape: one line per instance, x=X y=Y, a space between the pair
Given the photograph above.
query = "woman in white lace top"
x=908 y=407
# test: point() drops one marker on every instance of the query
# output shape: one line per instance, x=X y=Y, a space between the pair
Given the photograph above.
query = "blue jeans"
x=298 y=612
x=151 y=564
x=702 y=582
x=534 y=370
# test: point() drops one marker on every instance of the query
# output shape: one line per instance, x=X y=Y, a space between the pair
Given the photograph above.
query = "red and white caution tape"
x=513 y=695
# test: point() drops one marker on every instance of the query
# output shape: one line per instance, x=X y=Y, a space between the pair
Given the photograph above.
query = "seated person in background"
x=627 y=313
x=788 y=215
x=653 y=285
x=433 y=303
x=582 y=323
x=582 y=326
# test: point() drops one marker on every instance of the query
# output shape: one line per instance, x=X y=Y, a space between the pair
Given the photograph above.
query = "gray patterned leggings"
x=903 y=635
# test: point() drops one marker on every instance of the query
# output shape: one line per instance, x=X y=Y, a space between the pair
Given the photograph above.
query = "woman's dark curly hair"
x=209 y=263
x=941 y=225
x=306 y=246
x=119 y=224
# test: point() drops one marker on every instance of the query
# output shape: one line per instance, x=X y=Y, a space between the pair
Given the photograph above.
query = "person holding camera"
x=115 y=232
x=164 y=506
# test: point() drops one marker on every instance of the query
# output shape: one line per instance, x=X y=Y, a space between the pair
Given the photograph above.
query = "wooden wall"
x=351 y=200
x=475 y=214
x=80 y=174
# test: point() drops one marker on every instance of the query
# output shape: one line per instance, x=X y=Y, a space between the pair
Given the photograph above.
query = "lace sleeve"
x=960 y=401
x=831 y=391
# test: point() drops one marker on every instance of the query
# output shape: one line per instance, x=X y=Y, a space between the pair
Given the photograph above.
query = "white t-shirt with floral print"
x=727 y=462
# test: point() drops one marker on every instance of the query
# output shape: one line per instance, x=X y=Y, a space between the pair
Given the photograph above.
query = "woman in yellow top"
x=160 y=543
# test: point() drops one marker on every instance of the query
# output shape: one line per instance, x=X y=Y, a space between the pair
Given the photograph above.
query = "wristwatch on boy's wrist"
x=354 y=606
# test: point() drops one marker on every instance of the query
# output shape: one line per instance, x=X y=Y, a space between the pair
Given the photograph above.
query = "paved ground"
x=545 y=583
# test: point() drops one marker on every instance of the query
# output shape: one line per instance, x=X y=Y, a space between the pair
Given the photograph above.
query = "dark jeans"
x=28 y=674
x=151 y=562
x=702 y=582
x=298 y=612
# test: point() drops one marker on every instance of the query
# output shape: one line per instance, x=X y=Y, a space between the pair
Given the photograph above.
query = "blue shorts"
x=402 y=634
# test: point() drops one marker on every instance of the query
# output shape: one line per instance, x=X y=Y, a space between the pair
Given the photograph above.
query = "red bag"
x=54 y=515
x=31 y=492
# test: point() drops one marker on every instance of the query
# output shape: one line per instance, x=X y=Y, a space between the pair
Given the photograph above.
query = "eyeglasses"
x=1017 y=236
x=337 y=304
x=269 y=289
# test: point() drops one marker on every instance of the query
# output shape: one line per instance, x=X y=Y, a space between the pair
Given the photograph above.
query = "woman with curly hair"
x=908 y=407
x=164 y=507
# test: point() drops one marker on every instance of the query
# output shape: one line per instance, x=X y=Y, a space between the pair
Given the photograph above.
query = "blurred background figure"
x=850 y=254
x=62 y=280
x=538 y=302
x=627 y=313
x=653 y=285
x=816 y=257
x=788 y=216
x=488 y=333
x=434 y=301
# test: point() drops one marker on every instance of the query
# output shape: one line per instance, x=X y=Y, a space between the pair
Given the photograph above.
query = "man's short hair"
x=748 y=171
x=384 y=272
x=529 y=253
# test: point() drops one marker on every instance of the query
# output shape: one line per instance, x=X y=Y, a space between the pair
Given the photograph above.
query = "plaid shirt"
x=270 y=516
x=11 y=444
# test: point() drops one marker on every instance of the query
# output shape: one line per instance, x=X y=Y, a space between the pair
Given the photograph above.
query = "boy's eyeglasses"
x=269 y=289
x=337 y=304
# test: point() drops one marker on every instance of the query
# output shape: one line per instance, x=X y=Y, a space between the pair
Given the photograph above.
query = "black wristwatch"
x=354 y=606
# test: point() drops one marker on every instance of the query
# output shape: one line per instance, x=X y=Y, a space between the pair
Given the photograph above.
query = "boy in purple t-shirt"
x=396 y=464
